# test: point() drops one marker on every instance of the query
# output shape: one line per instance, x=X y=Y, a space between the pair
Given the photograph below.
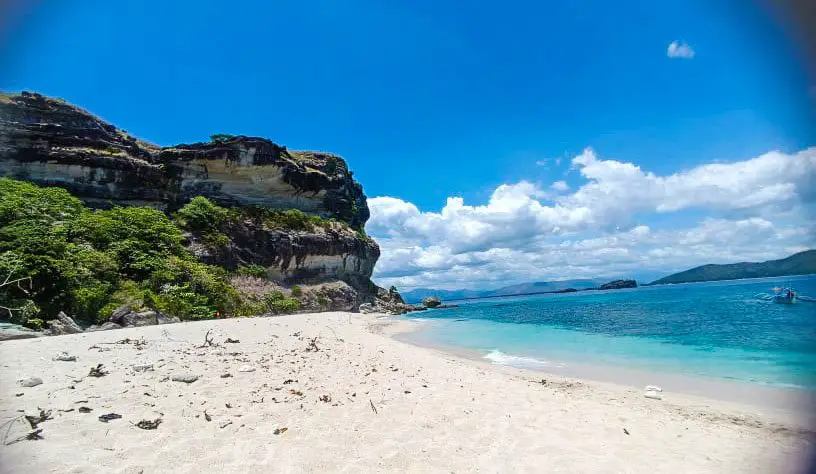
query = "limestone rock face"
x=292 y=256
x=50 y=142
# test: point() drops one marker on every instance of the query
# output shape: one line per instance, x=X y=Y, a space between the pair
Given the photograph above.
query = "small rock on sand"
x=186 y=378
x=654 y=395
x=143 y=367
x=65 y=357
x=30 y=382
x=246 y=368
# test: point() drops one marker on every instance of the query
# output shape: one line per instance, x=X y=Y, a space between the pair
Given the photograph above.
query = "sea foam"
x=499 y=357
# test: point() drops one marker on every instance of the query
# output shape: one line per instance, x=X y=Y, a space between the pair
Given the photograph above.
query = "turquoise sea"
x=719 y=330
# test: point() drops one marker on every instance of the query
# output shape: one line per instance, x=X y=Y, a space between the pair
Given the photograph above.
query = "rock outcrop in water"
x=52 y=143
x=618 y=284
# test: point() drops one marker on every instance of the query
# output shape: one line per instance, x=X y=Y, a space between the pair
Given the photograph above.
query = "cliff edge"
x=298 y=215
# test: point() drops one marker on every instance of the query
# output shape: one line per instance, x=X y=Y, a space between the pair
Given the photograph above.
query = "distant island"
x=618 y=284
x=802 y=263
x=520 y=289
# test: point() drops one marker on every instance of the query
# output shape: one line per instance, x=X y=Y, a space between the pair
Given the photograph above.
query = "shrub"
x=184 y=302
x=285 y=306
x=278 y=303
x=252 y=270
x=128 y=293
x=214 y=240
x=297 y=291
x=273 y=297
x=35 y=324
x=202 y=215
x=323 y=301
x=251 y=307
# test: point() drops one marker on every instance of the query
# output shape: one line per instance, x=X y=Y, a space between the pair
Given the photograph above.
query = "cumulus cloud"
x=680 y=50
x=560 y=186
x=754 y=209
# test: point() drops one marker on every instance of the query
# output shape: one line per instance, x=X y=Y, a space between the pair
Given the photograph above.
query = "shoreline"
x=785 y=401
x=335 y=392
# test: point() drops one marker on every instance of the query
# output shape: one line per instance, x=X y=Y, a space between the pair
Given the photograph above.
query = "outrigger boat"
x=784 y=295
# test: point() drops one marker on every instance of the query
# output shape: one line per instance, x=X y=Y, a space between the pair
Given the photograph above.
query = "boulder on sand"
x=144 y=318
x=62 y=325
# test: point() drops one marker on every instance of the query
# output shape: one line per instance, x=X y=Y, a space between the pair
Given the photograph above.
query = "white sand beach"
x=332 y=392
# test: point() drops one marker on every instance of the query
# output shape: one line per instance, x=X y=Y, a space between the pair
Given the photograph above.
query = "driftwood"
x=149 y=424
x=109 y=417
x=34 y=435
x=98 y=371
x=36 y=420
x=208 y=341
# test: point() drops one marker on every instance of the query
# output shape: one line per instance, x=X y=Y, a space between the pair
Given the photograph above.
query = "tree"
x=24 y=309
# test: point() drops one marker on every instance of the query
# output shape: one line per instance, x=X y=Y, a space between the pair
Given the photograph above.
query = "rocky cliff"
x=52 y=143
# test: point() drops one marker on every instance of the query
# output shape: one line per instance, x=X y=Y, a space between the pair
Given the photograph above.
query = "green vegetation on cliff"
x=802 y=263
x=88 y=262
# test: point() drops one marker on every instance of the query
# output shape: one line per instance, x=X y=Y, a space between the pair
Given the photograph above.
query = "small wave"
x=499 y=357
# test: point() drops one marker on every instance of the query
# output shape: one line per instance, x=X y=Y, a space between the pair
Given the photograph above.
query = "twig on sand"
x=313 y=345
x=98 y=371
x=36 y=420
x=9 y=424
x=373 y=408
x=208 y=341
x=34 y=435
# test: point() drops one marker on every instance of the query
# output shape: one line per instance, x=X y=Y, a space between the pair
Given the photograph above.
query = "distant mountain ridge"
x=416 y=295
x=802 y=263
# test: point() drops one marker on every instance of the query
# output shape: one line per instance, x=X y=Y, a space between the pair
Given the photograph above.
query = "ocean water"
x=719 y=330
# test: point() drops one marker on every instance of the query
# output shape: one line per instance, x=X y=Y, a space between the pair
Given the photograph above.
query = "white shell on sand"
x=65 y=357
x=653 y=395
x=654 y=388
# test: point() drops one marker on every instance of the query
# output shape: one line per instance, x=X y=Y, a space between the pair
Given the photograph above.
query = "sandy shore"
x=332 y=392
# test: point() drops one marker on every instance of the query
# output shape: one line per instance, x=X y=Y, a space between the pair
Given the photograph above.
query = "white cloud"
x=560 y=186
x=756 y=208
x=682 y=50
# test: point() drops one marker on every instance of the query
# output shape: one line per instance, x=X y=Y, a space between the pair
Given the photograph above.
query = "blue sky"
x=426 y=99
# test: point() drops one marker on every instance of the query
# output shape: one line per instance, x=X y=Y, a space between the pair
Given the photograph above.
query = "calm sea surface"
x=718 y=329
